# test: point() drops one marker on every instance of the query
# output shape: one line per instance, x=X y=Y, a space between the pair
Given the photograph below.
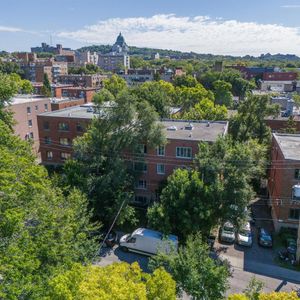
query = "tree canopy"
x=117 y=281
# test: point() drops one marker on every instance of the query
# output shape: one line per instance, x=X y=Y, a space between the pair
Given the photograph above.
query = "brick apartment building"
x=58 y=129
x=280 y=76
x=284 y=180
x=25 y=109
x=83 y=80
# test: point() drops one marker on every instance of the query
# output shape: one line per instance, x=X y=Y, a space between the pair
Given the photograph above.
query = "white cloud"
x=291 y=6
x=9 y=29
x=200 y=34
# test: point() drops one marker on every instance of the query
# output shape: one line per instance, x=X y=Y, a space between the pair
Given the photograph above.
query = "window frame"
x=63 y=128
x=157 y=169
x=184 y=149
x=158 y=150
x=65 y=158
x=51 y=156
x=294 y=211
x=30 y=123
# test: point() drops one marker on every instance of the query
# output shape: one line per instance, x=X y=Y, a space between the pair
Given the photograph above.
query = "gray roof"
x=289 y=145
x=173 y=129
x=20 y=99
x=194 y=130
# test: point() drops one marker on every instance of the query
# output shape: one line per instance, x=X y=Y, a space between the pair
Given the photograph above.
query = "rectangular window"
x=64 y=141
x=49 y=155
x=63 y=126
x=31 y=135
x=143 y=148
x=47 y=140
x=79 y=127
x=160 y=151
x=46 y=126
x=184 y=152
x=36 y=108
x=64 y=155
x=141 y=184
x=140 y=167
x=160 y=169
x=28 y=109
x=46 y=106
x=294 y=213
x=30 y=123
x=297 y=174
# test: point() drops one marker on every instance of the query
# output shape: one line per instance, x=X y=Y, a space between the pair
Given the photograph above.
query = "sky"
x=229 y=27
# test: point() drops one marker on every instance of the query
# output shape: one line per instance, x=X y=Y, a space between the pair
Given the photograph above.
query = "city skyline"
x=216 y=27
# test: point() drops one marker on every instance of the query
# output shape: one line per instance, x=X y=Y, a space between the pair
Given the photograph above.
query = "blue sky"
x=234 y=27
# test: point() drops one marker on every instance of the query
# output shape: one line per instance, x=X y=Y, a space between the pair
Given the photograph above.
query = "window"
x=28 y=109
x=141 y=184
x=30 y=123
x=160 y=151
x=36 y=108
x=131 y=240
x=297 y=174
x=64 y=155
x=47 y=140
x=140 y=167
x=79 y=127
x=143 y=148
x=294 y=213
x=64 y=141
x=160 y=169
x=49 y=155
x=184 y=152
x=31 y=135
x=46 y=126
x=46 y=106
x=63 y=126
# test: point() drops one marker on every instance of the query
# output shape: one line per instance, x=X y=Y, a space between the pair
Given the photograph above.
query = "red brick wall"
x=280 y=76
x=280 y=183
x=22 y=117
x=280 y=125
x=66 y=104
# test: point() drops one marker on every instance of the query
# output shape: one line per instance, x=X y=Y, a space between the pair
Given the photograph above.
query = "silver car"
x=244 y=236
x=227 y=233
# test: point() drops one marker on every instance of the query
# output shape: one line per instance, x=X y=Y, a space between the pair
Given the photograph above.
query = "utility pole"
x=298 y=244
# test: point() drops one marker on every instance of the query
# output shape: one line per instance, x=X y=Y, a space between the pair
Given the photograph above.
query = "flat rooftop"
x=207 y=131
x=289 y=145
x=20 y=99
x=174 y=129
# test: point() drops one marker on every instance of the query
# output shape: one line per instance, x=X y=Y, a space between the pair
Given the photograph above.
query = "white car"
x=227 y=233
x=244 y=236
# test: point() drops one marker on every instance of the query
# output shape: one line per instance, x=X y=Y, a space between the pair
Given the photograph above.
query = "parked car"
x=244 y=236
x=264 y=238
x=227 y=233
x=148 y=242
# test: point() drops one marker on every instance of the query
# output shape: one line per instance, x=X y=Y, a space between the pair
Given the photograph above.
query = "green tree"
x=159 y=94
x=185 y=80
x=26 y=87
x=249 y=122
x=117 y=281
x=291 y=125
x=115 y=84
x=42 y=232
x=219 y=189
x=46 y=88
x=187 y=97
x=206 y=110
x=100 y=168
x=194 y=271
x=222 y=91
x=254 y=289
x=102 y=96
x=9 y=86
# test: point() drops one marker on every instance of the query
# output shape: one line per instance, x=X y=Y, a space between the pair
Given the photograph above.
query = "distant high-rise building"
x=118 y=58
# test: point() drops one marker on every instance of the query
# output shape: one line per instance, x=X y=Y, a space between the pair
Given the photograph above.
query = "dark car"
x=264 y=238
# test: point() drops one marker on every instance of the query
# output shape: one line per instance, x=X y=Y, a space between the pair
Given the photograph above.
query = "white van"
x=148 y=242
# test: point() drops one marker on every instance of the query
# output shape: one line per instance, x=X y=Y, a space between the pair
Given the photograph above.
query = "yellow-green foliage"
x=119 y=281
x=267 y=296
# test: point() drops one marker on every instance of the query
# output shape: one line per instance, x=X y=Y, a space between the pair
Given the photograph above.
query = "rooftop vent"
x=90 y=109
x=172 y=128
x=189 y=126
